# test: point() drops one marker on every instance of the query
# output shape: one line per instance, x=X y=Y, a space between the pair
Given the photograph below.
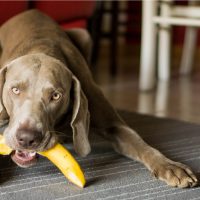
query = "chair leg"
x=188 y=50
x=189 y=46
x=96 y=33
x=164 y=50
x=164 y=47
x=148 y=46
x=114 y=38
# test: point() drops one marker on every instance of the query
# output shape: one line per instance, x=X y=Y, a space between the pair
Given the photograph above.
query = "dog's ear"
x=3 y=113
x=82 y=40
x=80 y=119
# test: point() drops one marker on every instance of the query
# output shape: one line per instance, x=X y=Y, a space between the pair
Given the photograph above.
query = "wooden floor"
x=179 y=98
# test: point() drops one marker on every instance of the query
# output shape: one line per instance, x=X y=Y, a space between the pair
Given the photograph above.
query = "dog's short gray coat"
x=39 y=60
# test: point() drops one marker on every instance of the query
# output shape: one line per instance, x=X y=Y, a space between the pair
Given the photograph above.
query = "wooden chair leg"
x=114 y=38
x=148 y=46
x=164 y=45
x=96 y=32
x=189 y=45
x=188 y=50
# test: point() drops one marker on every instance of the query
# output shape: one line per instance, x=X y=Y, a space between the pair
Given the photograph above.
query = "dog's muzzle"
x=27 y=141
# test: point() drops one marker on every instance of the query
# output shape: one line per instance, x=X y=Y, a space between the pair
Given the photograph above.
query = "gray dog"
x=45 y=84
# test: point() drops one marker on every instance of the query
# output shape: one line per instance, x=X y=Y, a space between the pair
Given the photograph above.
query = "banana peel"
x=66 y=163
x=4 y=149
x=60 y=157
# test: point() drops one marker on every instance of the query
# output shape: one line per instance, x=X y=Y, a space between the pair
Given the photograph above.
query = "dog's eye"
x=56 y=96
x=15 y=90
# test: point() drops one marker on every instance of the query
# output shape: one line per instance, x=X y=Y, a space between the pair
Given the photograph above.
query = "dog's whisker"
x=60 y=133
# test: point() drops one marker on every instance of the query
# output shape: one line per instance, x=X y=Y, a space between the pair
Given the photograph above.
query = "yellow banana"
x=4 y=149
x=66 y=163
x=60 y=157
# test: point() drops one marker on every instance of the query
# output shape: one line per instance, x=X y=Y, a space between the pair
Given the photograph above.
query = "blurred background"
x=152 y=82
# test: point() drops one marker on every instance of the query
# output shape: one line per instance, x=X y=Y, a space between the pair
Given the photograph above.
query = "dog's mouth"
x=24 y=158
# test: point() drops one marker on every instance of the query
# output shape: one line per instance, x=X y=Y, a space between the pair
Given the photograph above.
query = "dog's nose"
x=29 y=138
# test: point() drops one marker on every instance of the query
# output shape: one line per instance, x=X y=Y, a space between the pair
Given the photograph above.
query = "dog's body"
x=42 y=72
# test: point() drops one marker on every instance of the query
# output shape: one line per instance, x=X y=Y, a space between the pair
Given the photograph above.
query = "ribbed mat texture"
x=109 y=175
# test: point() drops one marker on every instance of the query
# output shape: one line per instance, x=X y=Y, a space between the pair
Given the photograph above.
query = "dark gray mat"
x=109 y=175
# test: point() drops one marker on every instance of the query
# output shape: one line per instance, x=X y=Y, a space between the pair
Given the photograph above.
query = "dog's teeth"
x=32 y=153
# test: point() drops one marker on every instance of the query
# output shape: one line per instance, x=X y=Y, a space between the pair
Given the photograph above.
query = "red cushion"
x=11 y=8
x=81 y=23
x=65 y=10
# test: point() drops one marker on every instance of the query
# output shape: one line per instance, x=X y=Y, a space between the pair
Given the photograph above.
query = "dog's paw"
x=175 y=174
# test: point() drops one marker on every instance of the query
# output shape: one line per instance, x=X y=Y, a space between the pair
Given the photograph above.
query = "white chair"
x=168 y=16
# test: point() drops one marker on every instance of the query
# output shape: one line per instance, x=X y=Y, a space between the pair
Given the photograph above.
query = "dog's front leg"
x=129 y=143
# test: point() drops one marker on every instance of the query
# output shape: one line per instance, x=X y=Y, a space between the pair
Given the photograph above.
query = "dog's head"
x=37 y=91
